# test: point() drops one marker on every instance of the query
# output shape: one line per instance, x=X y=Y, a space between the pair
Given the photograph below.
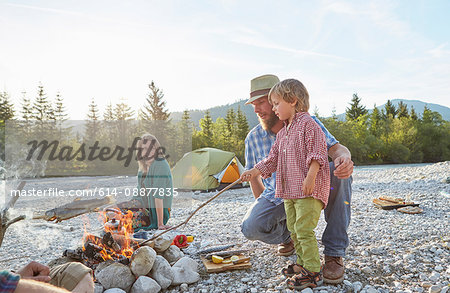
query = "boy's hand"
x=249 y=174
x=308 y=185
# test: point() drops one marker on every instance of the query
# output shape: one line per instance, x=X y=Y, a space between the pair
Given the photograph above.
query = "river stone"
x=116 y=276
x=162 y=272
x=184 y=287
x=434 y=289
x=114 y=290
x=142 y=261
x=184 y=275
x=99 y=288
x=145 y=284
x=172 y=254
x=188 y=263
x=163 y=242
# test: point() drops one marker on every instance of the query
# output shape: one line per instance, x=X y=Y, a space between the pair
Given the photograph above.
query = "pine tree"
x=108 y=115
x=42 y=108
x=242 y=125
x=230 y=123
x=123 y=112
x=6 y=107
x=26 y=111
x=355 y=109
x=92 y=125
x=413 y=114
x=185 y=134
x=60 y=109
x=390 y=109
x=155 y=107
x=206 y=132
x=316 y=112
x=375 y=121
x=402 y=110
x=93 y=113
x=6 y=113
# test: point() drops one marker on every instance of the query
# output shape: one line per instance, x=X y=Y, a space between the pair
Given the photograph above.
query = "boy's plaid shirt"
x=257 y=147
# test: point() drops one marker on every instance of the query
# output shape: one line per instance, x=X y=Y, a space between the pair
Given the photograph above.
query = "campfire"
x=115 y=242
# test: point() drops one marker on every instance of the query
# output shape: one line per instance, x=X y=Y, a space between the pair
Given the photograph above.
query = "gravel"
x=389 y=251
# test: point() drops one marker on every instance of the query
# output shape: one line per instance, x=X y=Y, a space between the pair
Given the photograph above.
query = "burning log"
x=76 y=254
x=108 y=240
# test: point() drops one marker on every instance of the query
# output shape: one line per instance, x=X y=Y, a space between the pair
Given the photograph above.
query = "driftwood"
x=5 y=222
x=190 y=216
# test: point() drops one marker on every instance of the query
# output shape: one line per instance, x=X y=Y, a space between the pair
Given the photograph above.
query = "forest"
x=390 y=135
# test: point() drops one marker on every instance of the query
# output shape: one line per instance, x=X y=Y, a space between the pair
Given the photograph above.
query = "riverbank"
x=389 y=251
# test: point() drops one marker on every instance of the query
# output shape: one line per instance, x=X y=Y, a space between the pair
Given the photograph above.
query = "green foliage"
x=154 y=109
x=390 y=110
x=227 y=133
x=6 y=107
x=356 y=110
x=42 y=109
x=402 y=110
x=394 y=136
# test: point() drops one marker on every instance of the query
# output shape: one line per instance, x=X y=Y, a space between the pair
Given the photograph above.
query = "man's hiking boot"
x=286 y=249
x=333 y=271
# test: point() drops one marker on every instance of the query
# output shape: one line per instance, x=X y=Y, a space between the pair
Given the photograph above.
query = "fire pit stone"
x=145 y=285
x=116 y=276
x=185 y=271
x=163 y=242
x=162 y=272
x=173 y=254
x=142 y=261
x=114 y=290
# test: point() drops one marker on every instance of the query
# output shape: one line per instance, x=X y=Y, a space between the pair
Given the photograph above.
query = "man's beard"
x=268 y=123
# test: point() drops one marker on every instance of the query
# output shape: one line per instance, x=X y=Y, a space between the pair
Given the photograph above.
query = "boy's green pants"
x=302 y=216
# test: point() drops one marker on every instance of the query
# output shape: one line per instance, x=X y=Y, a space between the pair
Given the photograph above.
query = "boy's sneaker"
x=305 y=279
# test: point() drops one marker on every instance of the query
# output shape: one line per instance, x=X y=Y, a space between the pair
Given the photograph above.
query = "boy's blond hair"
x=292 y=90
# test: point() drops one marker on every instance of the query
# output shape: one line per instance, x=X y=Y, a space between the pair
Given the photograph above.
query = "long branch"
x=190 y=216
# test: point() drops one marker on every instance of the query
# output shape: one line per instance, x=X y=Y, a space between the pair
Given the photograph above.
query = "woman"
x=154 y=185
x=153 y=196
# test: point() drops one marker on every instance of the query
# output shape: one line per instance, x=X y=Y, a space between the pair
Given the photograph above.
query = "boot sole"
x=331 y=281
x=286 y=253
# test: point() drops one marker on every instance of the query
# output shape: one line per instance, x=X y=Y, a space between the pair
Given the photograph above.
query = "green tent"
x=206 y=169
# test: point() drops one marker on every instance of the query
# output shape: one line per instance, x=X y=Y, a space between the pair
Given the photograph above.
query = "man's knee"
x=250 y=229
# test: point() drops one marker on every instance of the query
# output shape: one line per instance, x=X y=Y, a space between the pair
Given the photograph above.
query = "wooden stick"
x=4 y=221
x=14 y=258
x=190 y=216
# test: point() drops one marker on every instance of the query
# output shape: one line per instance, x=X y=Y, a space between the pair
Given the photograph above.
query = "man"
x=34 y=277
x=266 y=218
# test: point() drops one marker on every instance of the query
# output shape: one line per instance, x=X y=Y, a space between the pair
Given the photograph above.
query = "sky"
x=204 y=53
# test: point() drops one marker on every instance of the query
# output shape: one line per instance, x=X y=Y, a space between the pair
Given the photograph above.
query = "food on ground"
x=217 y=259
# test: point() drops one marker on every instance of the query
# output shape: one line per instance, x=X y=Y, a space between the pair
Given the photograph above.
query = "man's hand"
x=249 y=174
x=35 y=271
x=342 y=159
x=344 y=167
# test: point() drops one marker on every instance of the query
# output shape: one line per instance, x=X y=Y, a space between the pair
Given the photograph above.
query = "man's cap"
x=261 y=85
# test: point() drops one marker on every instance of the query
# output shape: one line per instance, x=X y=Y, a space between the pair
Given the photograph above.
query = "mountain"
x=418 y=107
x=221 y=111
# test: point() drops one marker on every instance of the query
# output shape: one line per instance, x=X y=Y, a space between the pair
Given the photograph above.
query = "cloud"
x=381 y=14
x=52 y=10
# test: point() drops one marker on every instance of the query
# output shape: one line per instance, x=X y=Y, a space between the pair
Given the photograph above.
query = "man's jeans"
x=266 y=221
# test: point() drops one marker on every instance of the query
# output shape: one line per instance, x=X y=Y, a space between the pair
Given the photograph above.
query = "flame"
x=121 y=233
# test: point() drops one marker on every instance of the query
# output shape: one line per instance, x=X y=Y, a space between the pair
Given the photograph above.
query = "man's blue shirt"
x=257 y=146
